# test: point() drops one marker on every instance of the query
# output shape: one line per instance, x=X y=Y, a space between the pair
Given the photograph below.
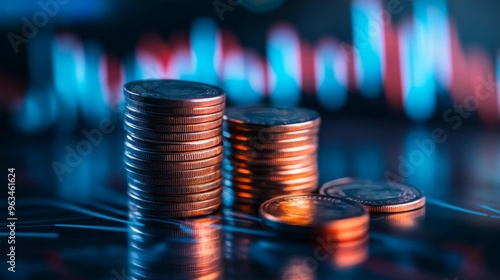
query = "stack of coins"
x=184 y=249
x=173 y=147
x=269 y=152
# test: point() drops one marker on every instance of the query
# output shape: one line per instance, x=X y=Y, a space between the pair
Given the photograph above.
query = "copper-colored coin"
x=175 y=214
x=165 y=119
x=379 y=197
x=265 y=136
x=270 y=161
x=173 y=93
x=171 y=128
x=257 y=145
x=242 y=171
x=403 y=220
x=175 y=182
x=231 y=198
x=139 y=203
x=180 y=111
x=278 y=168
x=267 y=193
x=173 y=174
x=270 y=187
x=166 y=146
x=146 y=135
x=173 y=157
x=271 y=119
x=282 y=153
x=277 y=184
x=266 y=177
x=176 y=198
x=311 y=214
x=171 y=166
x=173 y=189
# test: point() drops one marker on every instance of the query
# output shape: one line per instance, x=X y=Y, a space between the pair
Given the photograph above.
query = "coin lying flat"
x=378 y=197
x=170 y=146
x=176 y=119
x=147 y=125
x=174 y=93
x=271 y=119
x=308 y=214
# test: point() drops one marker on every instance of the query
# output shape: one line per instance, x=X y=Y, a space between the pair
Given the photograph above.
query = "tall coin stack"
x=269 y=152
x=173 y=147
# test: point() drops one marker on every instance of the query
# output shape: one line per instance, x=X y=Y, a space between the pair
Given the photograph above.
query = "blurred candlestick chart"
x=406 y=55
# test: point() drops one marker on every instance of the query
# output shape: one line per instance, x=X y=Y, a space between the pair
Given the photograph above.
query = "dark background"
x=68 y=76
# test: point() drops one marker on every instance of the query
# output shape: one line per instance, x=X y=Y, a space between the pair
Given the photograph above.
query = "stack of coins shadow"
x=269 y=152
x=173 y=147
x=190 y=248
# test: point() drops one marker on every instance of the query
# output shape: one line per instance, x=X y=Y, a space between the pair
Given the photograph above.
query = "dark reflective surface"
x=78 y=228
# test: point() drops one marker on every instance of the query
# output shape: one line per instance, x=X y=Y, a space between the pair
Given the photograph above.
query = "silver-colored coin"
x=376 y=196
x=174 y=93
x=271 y=119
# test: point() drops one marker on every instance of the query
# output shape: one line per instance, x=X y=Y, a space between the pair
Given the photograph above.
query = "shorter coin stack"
x=269 y=152
x=186 y=249
x=173 y=147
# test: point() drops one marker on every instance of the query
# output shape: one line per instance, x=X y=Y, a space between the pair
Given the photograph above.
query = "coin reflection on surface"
x=175 y=249
x=404 y=220
x=237 y=243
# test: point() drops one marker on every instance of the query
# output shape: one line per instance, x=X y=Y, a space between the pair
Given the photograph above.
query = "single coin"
x=173 y=190
x=177 y=182
x=378 y=197
x=176 y=198
x=271 y=186
x=243 y=171
x=173 y=157
x=312 y=179
x=161 y=206
x=402 y=220
x=171 y=166
x=266 y=193
x=271 y=161
x=254 y=188
x=146 y=135
x=281 y=153
x=266 y=177
x=156 y=118
x=261 y=168
x=258 y=145
x=312 y=213
x=176 y=111
x=165 y=146
x=266 y=136
x=271 y=119
x=173 y=174
x=174 y=214
x=174 y=93
x=171 y=128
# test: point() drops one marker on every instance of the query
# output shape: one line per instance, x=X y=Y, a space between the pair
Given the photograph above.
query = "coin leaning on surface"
x=378 y=197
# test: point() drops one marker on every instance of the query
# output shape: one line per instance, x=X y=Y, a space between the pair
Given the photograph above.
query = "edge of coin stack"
x=173 y=147
x=269 y=152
